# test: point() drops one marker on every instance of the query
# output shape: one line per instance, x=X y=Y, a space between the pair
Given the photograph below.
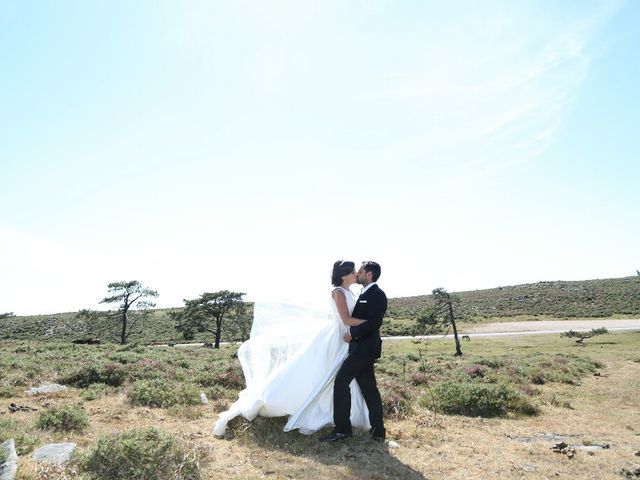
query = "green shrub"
x=537 y=377
x=141 y=454
x=396 y=399
x=560 y=368
x=232 y=377
x=479 y=400
x=476 y=371
x=217 y=392
x=160 y=393
x=112 y=374
x=6 y=391
x=124 y=357
x=412 y=357
x=147 y=369
x=25 y=442
x=94 y=391
x=65 y=418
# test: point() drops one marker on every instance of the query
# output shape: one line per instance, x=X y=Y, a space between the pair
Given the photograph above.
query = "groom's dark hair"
x=374 y=268
x=340 y=269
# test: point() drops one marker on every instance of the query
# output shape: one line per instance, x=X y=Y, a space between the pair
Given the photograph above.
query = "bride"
x=291 y=359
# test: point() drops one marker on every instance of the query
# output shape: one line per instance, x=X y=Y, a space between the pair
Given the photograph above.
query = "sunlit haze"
x=199 y=146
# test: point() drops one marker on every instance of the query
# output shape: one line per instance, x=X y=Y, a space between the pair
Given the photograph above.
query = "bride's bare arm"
x=343 y=310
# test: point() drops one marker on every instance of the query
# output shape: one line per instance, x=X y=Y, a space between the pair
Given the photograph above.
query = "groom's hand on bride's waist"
x=347 y=337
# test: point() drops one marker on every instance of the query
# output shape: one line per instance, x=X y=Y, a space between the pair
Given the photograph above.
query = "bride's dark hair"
x=340 y=269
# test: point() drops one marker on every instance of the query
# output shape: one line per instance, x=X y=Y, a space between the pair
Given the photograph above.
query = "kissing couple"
x=301 y=362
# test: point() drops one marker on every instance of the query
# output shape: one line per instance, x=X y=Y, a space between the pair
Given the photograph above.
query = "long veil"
x=278 y=332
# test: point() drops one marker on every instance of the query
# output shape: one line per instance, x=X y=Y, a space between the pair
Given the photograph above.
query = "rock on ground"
x=52 y=388
x=9 y=468
x=54 y=453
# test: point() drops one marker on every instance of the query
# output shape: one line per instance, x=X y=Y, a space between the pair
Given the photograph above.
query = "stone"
x=9 y=468
x=393 y=444
x=58 y=453
x=203 y=399
x=592 y=448
x=50 y=388
x=527 y=467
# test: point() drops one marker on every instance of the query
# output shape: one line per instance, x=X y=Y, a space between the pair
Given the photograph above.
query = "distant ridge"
x=584 y=298
x=557 y=299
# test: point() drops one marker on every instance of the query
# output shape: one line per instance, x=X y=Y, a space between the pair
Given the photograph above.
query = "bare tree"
x=440 y=317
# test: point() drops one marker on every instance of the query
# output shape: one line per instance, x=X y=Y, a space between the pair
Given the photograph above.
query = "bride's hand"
x=347 y=337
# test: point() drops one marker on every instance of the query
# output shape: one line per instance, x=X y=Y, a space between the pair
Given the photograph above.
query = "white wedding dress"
x=289 y=364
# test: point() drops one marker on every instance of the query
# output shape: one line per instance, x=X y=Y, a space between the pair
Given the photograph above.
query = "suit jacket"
x=370 y=306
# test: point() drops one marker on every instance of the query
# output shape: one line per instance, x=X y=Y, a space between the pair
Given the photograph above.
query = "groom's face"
x=363 y=277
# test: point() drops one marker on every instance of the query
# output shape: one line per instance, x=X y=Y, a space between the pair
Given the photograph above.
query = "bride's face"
x=349 y=279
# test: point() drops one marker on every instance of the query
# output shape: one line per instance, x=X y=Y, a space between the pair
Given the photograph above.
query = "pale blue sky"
x=198 y=146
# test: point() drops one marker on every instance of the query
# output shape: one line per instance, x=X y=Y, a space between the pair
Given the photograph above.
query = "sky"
x=247 y=145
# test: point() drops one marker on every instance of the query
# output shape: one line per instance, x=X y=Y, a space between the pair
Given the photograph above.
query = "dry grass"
x=603 y=410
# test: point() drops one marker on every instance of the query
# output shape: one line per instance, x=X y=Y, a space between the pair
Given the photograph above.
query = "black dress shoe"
x=335 y=436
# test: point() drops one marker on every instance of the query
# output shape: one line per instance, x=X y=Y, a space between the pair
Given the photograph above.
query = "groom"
x=365 y=347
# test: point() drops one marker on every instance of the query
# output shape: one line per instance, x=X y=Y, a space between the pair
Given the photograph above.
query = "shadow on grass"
x=360 y=455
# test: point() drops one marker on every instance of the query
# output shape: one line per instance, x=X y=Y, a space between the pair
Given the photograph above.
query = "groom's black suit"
x=364 y=348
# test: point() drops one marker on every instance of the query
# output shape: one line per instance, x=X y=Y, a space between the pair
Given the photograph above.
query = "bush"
x=6 y=391
x=147 y=369
x=396 y=399
x=112 y=374
x=231 y=378
x=65 y=418
x=475 y=371
x=420 y=378
x=160 y=393
x=412 y=357
x=141 y=454
x=217 y=392
x=537 y=377
x=25 y=442
x=480 y=400
x=94 y=391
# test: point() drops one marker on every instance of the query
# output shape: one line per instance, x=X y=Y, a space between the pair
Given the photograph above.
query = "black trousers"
x=360 y=368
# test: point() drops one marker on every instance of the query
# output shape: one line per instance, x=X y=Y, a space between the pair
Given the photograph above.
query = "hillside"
x=589 y=298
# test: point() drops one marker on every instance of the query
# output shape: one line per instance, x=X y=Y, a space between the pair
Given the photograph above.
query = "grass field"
x=584 y=395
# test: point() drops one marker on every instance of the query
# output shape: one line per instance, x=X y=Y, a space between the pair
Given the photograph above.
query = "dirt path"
x=504 y=329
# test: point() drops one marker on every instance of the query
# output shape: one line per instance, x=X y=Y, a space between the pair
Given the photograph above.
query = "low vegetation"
x=144 y=454
x=63 y=418
x=132 y=388
x=163 y=394
x=587 y=298
x=23 y=435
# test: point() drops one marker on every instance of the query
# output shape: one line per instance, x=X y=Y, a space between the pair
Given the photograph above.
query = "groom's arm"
x=377 y=309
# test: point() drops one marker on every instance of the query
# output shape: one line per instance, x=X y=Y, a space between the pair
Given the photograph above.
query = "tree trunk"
x=218 y=332
x=123 y=333
x=455 y=330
